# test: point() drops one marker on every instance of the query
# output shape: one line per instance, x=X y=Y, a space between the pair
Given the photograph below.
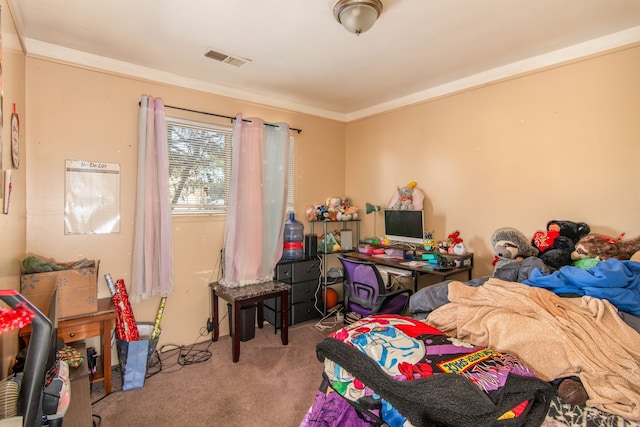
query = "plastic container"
x=293 y=247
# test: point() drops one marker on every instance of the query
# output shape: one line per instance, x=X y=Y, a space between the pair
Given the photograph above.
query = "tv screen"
x=404 y=226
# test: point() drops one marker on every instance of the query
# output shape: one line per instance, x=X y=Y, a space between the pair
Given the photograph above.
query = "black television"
x=44 y=395
x=404 y=226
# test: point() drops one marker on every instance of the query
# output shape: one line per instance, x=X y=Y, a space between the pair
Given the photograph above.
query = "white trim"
x=46 y=50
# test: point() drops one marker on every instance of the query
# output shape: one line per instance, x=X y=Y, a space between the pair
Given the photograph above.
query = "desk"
x=240 y=296
x=415 y=271
x=76 y=328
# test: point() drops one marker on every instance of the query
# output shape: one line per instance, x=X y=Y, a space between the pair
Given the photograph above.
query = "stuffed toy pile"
x=334 y=209
x=558 y=241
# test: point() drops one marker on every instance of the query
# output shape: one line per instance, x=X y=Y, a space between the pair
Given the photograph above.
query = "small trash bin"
x=247 y=321
x=134 y=357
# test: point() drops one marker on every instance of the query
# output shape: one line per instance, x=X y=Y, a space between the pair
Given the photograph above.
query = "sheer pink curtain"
x=152 y=269
x=257 y=202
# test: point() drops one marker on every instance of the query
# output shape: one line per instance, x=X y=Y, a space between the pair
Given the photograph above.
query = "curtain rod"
x=222 y=116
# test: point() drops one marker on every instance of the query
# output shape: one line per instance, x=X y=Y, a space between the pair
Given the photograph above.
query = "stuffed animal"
x=408 y=197
x=455 y=244
x=428 y=243
x=603 y=247
x=311 y=212
x=558 y=241
x=333 y=203
x=346 y=212
x=510 y=245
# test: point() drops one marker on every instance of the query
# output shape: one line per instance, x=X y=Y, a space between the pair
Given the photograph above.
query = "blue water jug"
x=293 y=237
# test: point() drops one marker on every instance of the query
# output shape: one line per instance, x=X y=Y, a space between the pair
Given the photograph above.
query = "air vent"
x=227 y=59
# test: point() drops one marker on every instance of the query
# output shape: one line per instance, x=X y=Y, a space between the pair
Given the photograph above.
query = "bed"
x=495 y=353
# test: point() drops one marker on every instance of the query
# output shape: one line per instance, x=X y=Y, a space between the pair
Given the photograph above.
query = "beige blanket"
x=556 y=337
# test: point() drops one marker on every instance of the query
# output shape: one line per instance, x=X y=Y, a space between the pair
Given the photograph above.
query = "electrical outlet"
x=209 y=325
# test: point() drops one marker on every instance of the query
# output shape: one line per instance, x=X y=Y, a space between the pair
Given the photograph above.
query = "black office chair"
x=366 y=293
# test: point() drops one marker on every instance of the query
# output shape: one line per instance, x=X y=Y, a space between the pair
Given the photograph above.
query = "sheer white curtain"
x=152 y=269
x=257 y=201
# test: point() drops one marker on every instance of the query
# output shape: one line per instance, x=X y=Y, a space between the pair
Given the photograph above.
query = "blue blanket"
x=613 y=280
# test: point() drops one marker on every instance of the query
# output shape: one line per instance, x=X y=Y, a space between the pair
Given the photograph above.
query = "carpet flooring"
x=271 y=385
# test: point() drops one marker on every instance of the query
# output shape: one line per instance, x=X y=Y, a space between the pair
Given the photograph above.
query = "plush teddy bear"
x=603 y=247
x=510 y=245
x=333 y=204
x=312 y=212
x=557 y=243
x=408 y=197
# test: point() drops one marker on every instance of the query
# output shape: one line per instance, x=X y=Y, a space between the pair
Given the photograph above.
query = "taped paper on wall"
x=92 y=197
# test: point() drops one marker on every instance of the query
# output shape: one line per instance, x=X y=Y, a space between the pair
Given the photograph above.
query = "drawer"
x=79 y=332
x=303 y=311
x=303 y=291
x=273 y=317
x=305 y=270
x=283 y=272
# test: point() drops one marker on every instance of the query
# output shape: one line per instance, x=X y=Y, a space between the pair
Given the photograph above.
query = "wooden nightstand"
x=77 y=328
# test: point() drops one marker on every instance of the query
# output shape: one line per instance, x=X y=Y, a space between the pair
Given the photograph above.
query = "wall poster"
x=92 y=197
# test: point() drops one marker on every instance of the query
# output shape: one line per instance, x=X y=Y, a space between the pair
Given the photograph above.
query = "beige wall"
x=563 y=143
x=12 y=225
x=80 y=114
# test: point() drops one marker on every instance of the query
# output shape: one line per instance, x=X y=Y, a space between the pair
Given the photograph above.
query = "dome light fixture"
x=357 y=16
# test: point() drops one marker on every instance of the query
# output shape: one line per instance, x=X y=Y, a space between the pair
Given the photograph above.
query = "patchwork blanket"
x=404 y=372
x=556 y=337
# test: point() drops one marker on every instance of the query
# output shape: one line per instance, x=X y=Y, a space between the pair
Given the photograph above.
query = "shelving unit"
x=327 y=227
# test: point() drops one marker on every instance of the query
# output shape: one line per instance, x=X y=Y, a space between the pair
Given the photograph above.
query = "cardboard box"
x=77 y=290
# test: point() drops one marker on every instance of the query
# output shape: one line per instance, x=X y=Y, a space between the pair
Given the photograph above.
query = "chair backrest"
x=364 y=282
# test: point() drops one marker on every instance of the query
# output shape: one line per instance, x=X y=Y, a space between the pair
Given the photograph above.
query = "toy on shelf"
x=456 y=247
x=408 y=197
x=334 y=209
x=428 y=243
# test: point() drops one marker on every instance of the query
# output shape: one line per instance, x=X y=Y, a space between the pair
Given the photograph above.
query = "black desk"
x=240 y=296
x=416 y=272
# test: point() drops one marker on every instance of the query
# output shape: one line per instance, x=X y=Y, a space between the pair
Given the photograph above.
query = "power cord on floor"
x=184 y=356
x=323 y=325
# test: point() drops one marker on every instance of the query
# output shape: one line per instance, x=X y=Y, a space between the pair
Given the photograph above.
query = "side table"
x=239 y=296
x=76 y=328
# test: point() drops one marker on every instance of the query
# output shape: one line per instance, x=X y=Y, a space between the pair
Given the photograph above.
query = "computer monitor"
x=404 y=226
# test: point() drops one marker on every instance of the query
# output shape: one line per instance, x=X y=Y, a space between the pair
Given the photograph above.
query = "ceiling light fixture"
x=357 y=16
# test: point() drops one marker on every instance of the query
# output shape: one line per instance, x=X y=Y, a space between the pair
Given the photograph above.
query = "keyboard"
x=394 y=270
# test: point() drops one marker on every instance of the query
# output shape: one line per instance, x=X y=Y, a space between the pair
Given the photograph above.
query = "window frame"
x=176 y=210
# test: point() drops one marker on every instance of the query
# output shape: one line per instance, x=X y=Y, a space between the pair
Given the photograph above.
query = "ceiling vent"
x=227 y=59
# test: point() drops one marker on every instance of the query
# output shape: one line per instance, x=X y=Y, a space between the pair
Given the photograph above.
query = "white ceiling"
x=302 y=59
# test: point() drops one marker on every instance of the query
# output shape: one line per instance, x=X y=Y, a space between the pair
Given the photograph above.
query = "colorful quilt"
x=402 y=372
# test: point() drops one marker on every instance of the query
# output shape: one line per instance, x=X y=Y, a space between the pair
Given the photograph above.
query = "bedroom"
x=555 y=143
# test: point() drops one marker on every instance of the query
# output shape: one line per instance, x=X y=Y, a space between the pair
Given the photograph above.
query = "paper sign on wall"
x=92 y=197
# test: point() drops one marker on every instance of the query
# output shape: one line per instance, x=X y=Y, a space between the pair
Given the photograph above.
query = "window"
x=200 y=167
